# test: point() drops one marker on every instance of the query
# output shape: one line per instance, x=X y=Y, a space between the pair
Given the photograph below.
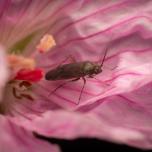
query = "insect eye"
x=98 y=70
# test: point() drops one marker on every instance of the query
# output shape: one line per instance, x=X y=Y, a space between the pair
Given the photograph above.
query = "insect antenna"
x=106 y=50
x=104 y=57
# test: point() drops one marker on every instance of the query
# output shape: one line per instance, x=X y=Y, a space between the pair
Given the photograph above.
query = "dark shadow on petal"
x=93 y=144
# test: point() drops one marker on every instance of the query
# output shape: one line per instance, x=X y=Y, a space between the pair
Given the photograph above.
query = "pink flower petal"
x=127 y=24
x=97 y=26
x=114 y=107
x=16 y=139
x=69 y=125
x=31 y=19
x=124 y=118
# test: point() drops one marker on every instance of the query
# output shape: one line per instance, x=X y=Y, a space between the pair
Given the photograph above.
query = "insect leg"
x=72 y=58
x=63 y=85
x=113 y=68
x=68 y=57
x=75 y=79
x=84 y=80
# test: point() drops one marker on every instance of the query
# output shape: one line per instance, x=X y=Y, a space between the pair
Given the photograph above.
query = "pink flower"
x=116 y=106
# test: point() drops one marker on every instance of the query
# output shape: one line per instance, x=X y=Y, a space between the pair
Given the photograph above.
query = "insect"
x=75 y=71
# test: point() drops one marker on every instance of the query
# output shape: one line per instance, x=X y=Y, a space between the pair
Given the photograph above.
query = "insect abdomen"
x=52 y=75
x=67 y=71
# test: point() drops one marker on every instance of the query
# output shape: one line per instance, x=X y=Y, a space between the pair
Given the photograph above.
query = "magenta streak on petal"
x=96 y=81
x=21 y=16
x=78 y=90
x=57 y=12
x=25 y=9
x=91 y=101
x=32 y=110
x=50 y=65
x=4 y=5
x=21 y=114
x=110 y=80
x=17 y=135
x=124 y=74
x=84 y=91
x=47 y=100
x=149 y=49
x=41 y=10
x=118 y=76
x=60 y=9
x=67 y=100
x=25 y=13
x=57 y=95
x=89 y=16
x=104 y=31
x=91 y=106
x=136 y=104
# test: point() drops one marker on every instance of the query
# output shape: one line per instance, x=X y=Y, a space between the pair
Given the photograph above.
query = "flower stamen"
x=17 y=62
x=46 y=43
x=27 y=96
x=29 y=75
x=15 y=93
x=25 y=84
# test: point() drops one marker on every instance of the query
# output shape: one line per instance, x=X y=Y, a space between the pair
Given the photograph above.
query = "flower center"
x=25 y=73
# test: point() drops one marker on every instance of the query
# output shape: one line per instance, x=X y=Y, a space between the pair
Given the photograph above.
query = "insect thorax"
x=91 y=68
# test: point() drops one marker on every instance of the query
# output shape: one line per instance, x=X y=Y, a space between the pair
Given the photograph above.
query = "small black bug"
x=75 y=71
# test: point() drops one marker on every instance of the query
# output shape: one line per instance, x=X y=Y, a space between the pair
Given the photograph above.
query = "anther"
x=46 y=43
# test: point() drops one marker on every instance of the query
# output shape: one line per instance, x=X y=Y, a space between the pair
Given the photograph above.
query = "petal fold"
x=17 y=139
x=70 y=125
